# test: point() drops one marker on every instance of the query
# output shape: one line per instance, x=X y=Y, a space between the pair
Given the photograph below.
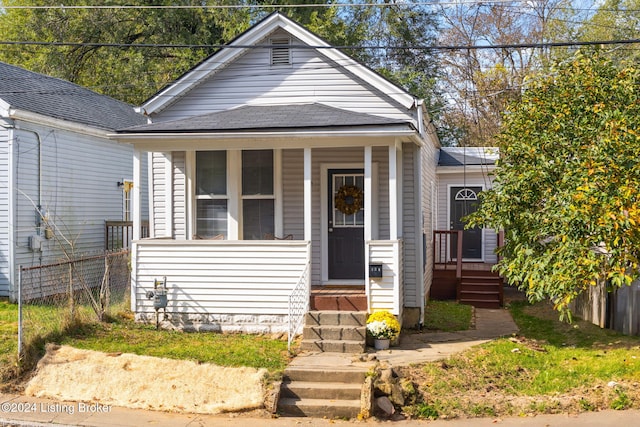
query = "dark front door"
x=464 y=201
x=346 y=224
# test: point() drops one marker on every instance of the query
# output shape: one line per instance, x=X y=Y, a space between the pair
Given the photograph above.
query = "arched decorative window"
x=466 y=194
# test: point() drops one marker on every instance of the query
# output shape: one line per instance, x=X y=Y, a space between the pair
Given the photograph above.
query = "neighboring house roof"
x=48 y=96
x=245 y=41
x=468 y=156
x=263 y=117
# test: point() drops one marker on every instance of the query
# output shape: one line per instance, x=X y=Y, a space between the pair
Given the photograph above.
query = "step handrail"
x=298 y=304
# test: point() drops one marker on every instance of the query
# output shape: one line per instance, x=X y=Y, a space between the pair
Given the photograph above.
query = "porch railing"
x=298 y=304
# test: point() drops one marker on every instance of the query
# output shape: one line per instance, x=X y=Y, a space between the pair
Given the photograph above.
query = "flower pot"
x=381 y=344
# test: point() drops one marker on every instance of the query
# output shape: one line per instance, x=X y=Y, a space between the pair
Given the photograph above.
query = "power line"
x=270 y=6
x=345 y=47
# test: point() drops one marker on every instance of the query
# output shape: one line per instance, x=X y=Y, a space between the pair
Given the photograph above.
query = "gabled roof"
x=468 y=156
x=48 y=96
x=268 y=117
x=251 y=37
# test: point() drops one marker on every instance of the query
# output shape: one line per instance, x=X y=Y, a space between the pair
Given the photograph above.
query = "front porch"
x=260 y=286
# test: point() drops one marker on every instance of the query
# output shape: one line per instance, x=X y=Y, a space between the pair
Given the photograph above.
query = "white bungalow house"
x=281 y=168
x=59 y=172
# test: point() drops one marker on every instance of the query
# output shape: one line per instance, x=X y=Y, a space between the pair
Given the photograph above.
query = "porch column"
x=393 y=193
x=368 y=196
x=307 y=194
x=368 y=219
x=136 y=213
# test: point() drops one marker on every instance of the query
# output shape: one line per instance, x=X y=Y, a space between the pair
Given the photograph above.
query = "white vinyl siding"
x=469 y=179
x=80 y=191
x=179 y=208
x=220 y=277
x=311 y=78
x=429 y=180
x=410 y=226
x=5 y=253
x=385 y=292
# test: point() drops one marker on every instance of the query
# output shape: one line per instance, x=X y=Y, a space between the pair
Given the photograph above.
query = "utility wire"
x=346 y=47
x=272 y=6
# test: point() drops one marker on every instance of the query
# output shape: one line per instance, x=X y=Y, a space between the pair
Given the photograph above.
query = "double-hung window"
x=217 y=201
x=211 y=194
x=258 y=199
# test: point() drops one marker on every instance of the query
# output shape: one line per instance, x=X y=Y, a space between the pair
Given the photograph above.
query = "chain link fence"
x=56 y=297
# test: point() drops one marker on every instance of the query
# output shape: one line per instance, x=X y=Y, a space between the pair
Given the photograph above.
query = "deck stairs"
x=467 y=282
x=480 y=289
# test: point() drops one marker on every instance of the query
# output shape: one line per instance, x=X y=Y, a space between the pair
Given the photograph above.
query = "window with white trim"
x=211 y=194
x=466 y=194
x=258 y=197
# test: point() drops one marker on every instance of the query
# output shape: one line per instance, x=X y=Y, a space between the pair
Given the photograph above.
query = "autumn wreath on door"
x=348 y=199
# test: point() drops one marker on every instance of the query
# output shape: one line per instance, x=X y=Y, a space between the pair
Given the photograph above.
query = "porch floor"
x=338 y=297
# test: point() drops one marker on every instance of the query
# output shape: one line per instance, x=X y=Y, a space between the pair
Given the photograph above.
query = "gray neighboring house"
x=55 y=159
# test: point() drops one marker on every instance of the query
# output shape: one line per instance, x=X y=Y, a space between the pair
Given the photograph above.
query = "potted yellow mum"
x=383 y=327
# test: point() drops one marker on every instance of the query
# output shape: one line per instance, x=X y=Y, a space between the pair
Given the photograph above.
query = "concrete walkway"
x=16 y=410
x=420 y=347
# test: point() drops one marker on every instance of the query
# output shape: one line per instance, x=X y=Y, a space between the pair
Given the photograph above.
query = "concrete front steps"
x=321 y=392
x=335 y=331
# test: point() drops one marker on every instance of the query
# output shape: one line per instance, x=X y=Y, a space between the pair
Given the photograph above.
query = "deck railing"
x=447 y=250
x=119 y=234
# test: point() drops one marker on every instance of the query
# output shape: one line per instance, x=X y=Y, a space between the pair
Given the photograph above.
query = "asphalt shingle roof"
x=60 y=99
x=264 y=117
x=469 y=156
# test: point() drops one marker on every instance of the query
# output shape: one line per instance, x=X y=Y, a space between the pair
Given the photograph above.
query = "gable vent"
x=281 y=51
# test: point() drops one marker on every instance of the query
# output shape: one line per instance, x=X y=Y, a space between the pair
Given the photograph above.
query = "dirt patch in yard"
x=495 y=402
x=126 y=380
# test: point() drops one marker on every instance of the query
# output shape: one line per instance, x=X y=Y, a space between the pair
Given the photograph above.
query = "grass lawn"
x=124 y=335
x=549 y=367
x=447 y=316
x=233 y=350
x=8 y=339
